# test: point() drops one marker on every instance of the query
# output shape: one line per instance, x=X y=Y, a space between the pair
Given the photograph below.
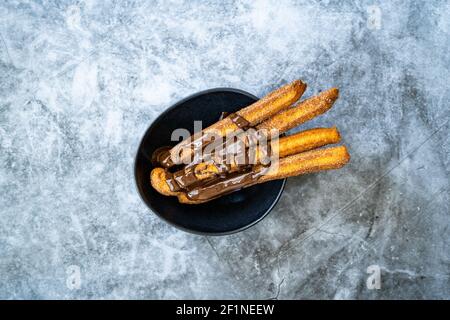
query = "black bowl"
x=231 y=213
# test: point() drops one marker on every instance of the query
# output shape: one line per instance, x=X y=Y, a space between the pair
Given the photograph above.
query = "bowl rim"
x=150 y=207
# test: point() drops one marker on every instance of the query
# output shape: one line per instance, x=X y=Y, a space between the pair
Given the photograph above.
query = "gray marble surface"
x=80 y=81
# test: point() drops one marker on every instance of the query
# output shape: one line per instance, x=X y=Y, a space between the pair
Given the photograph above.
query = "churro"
x=294 y=165
x=285 y=146
x=302 y=112
x=290 y=118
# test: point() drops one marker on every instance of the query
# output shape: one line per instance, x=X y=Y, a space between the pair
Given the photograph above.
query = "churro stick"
x=295 y=116
x=289 y=145
x=308 y=162
x=294 y=165
x=302 y=112
x=273 y=103
x=158 y=180
x=244 y=118
x=304 y=141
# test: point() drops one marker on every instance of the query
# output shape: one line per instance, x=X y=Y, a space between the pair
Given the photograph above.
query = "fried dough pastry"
x=308 y=162
x=302 y=112
x=249 y=116
x=285 y=146
x=158 y=180
x=294 y=165
x=307 y=140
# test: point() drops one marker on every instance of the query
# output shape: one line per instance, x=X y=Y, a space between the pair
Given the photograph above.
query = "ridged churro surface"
x=306 y=140
x=273 y=102
x=308 y=162
x=302 y=112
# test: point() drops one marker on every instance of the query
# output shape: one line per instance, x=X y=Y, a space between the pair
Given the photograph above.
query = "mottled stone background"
x=80 y=81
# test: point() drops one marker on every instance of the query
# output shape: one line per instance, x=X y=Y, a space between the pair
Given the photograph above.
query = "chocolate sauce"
x=223 y=115
x=172 y=183
x=187 y=180
x=185 y=177
x=225 y=185
x=239 y=121
x=161 y=156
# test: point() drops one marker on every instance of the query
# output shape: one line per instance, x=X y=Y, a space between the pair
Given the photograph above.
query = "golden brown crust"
x=158 y=178
x=304 y=141
x=273 y=103
x=302 y=112
x=308 y=162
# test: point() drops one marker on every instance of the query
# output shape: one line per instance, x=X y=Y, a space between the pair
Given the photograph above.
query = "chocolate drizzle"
x=239 y=121
x=189 y=177
x=185 y=177
x=161 y=156
x=172 y=183
x=219 y=184
x=225 y=185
